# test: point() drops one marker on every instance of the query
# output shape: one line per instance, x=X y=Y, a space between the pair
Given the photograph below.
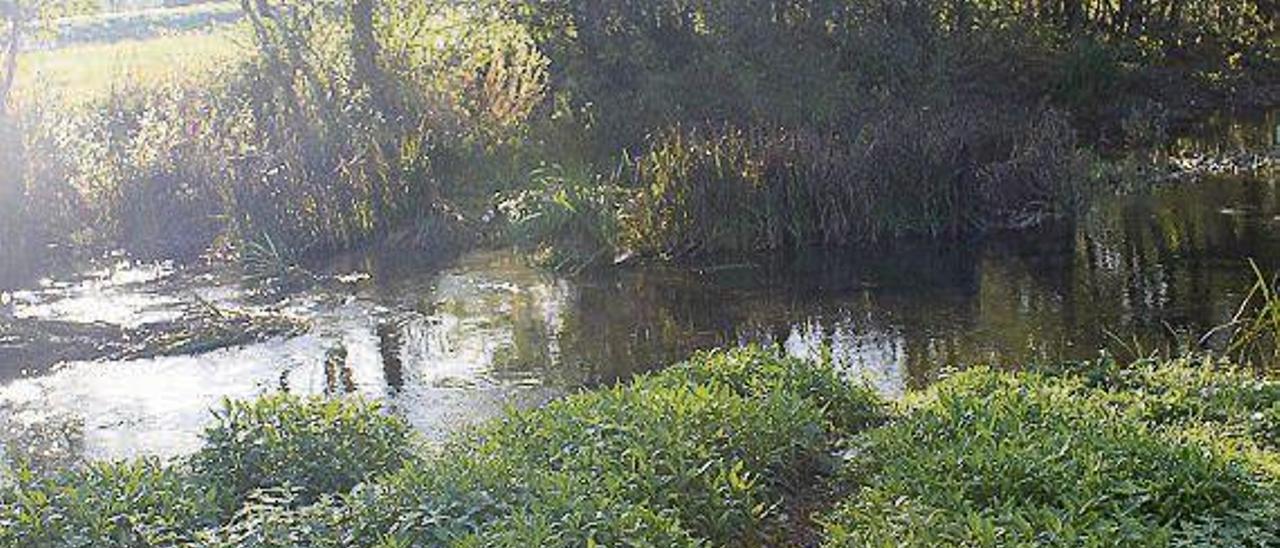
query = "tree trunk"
x=10 y=63
x=364 y=45
x=367 y=74
x=1072 y=12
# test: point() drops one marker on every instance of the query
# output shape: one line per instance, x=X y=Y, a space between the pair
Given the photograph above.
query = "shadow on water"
x=448 y=347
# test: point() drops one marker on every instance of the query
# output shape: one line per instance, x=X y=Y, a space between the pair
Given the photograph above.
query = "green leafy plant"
x=308 y=447
x=988 y=458
x=566 y=219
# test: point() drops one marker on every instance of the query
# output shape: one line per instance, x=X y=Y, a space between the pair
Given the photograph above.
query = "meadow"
x=77 y=76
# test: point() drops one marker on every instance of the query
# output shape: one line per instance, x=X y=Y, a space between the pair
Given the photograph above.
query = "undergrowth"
x=1155 y=454
x=703 y=452
x=715 y=452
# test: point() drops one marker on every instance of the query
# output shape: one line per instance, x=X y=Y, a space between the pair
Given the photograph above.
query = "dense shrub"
x=1002 y=459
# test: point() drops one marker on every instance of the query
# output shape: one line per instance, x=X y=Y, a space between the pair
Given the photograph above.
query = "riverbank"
x=733 y=447
x=587 y=136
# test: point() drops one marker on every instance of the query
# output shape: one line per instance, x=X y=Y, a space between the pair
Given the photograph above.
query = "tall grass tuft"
x=938 y=170
x=1255 y=336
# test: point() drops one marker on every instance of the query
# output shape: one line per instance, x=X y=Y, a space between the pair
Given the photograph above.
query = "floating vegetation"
x=208 y=328
x=203 y=328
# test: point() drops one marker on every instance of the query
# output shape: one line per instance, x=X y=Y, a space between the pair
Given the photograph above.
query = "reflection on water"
x=446 y=348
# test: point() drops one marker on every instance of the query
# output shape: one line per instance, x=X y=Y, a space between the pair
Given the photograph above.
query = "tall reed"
x=901 y=170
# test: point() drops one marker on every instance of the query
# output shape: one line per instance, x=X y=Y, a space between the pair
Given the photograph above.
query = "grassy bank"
x=732 y=448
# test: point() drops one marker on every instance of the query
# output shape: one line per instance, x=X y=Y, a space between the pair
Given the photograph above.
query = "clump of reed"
x=940 y=170
x=1256 y=327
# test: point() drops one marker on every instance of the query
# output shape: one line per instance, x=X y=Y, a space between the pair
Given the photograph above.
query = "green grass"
x=720 y=451
x=141 y=24
x=84 y=74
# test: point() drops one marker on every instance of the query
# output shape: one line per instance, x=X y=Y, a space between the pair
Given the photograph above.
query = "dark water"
x=446 y=348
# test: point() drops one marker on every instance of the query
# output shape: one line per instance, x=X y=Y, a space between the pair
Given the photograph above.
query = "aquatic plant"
x=566 y=220
x=1255 y=329
x=898 y=171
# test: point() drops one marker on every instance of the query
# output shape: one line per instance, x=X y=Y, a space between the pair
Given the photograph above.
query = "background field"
x=88 y=56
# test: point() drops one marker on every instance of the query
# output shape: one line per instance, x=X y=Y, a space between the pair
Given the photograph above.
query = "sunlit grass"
x=142 y=23
x=80 y=74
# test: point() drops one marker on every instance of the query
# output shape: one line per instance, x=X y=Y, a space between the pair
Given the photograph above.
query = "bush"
x=307 y=447
x=1002 y=459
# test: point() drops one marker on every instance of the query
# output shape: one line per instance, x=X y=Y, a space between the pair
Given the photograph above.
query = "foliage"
x=307 y=447
x=703 y=453
x=566 y=220
x=288 y=141
x=324 y=136
x=705 y=450
x=710 y=452
x=989 y=458
x=143 y=503
x=1188 y=392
